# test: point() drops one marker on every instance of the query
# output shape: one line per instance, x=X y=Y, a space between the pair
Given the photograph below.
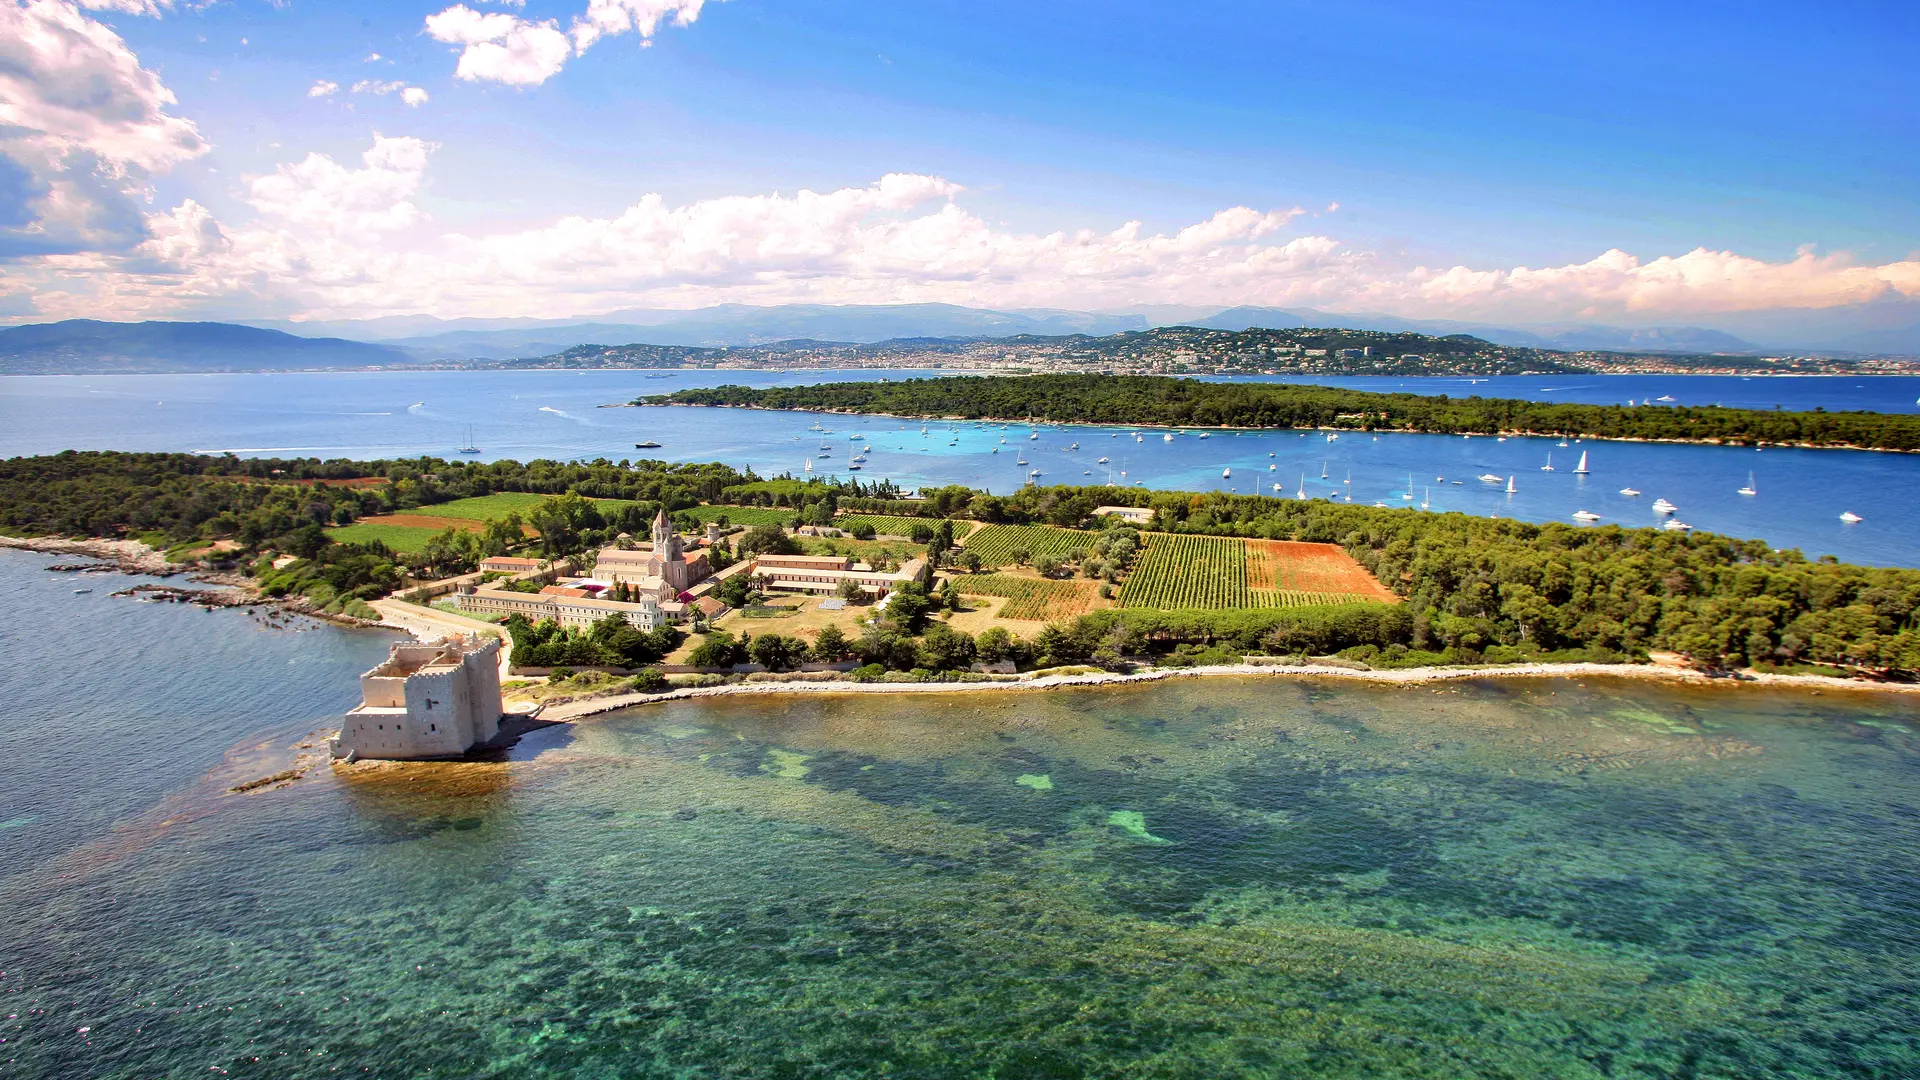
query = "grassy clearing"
x=1033 y=599
x=1180 y=571
x=403 y=539
x=486 y=507
x=995 y=544
x=741 y=515
x=898 y=526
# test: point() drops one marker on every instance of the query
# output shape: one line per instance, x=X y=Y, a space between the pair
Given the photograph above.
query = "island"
x=1161 y=401
x=855 y=583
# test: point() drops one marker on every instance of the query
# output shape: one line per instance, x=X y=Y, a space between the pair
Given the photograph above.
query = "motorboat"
x=1489 y=478
x=1585 y=515
x=1629 y=492
x=1662 y=506
x=1851 y=518
x=1676 y=525
x=1168 y=437
x=648 y=445
x=1226 y=474
x=1102 y=461
x=1204 y=435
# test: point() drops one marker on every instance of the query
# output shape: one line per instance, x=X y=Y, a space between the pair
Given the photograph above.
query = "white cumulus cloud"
x=498 y=47
x=323 y=88
x=129 y=7
x=502 y=48
x=82 y=127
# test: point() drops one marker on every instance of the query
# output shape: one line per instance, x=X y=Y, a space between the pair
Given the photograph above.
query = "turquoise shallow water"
x=1190 y=879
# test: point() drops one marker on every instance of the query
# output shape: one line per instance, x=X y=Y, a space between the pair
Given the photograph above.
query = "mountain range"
x=84 y=345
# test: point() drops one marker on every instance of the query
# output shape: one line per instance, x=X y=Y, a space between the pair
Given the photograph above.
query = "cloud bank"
x=340 y=240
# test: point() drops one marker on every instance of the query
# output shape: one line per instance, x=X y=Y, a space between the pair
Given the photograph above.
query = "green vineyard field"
x=1030 y=598
x=897 y=526
x=995 y=544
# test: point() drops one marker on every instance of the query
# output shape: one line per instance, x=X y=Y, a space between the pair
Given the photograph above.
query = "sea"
x=1799 y=497
x=1218 y=878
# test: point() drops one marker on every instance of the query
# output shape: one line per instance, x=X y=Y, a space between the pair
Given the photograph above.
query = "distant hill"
x=712 y=327
x=1656 y=339
x=86 y=346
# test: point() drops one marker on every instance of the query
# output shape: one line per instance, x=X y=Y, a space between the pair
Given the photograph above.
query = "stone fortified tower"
x=429 y=700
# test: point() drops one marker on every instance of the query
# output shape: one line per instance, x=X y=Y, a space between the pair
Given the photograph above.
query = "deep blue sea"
x=1229 y=878
x=557 y=414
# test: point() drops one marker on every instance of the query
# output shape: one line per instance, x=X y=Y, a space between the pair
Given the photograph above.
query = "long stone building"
x=824 y=573
x=428 y=700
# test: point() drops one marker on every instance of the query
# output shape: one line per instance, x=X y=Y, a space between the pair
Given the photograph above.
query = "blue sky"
x=1492 y=137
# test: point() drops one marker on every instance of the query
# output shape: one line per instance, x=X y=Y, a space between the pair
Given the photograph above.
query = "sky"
x=1750 y=166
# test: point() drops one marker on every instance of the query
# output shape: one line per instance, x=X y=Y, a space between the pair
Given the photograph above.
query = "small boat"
x=1585 y=515
x=1075 y=446
x=1511 y=489
x=1662 y=506
x=1581 y=469
x=1278 y=486
x=1489 y=478
x=1035 y=435
x=808 y=466
x=648 y=445
x=1332 y=435
x=1664 y=397
x=1629 y=492
x=1102 y=461
x=1020 y=460
x=996 y=449
x=1271 y=467
x=1323 y=469
x=1749 y=489
x=1226 y=474
x=1851 y=518
x=1302 y=493
x=1168 y=437
x=1676 y=525
x=1563 y=442
x=1548 y=467
x=1426 y=499
x=1203 y=435
x=1409 y=493
x=81 y=592
x=852 y=467
x=469 y=448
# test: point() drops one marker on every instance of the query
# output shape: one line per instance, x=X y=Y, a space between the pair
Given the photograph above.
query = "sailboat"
x=1548 y=467
x=1426 y=499
x=1563 y=442
x=1581 y=469
x=1749 y=489
x=1409 y=495
x=808 y=467
x=1302 y=493
x=469 y=448
x=1511 y=489
x=1323 y=469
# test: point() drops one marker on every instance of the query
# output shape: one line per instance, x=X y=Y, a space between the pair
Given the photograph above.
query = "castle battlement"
x=428 y=700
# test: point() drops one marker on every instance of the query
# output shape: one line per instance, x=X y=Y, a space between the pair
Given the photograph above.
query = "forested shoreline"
x=1158 y=401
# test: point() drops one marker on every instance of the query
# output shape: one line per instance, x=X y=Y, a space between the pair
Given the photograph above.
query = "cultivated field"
x=488 y=507
x=1034 y=599
x=897 y=526
x=995 y=544
x=403 y=539
x=741 y=515
x=1182 y=571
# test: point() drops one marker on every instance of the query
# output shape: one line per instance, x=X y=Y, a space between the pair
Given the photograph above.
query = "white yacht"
x=1585 y=515
x=1851 y=518
x=1168 y=437
x=1749 y=489
x=1676 y=525
x=1203 y=435
x=1102 y=461
x=1629 y=492
x=1662 y=506
x=1489 y=478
